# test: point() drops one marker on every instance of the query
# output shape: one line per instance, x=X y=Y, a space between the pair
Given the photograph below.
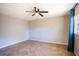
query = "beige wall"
x=12 y=30
x=76 y=36
x=52 y=30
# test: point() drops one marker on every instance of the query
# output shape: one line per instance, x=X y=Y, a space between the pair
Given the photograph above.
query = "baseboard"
x=33 y=40
x=76 y=53
x=51 y=42
x=12 y=44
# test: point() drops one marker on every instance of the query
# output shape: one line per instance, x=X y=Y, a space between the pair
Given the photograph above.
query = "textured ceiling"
x=18 y=9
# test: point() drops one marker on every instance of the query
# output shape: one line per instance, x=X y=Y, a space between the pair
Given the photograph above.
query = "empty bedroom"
x=39 y=29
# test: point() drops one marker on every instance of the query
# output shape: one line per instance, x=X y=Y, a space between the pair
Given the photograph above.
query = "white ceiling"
x=18 y=9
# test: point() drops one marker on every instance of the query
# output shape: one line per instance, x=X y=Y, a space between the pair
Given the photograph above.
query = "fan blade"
x=43 y=11
x=40 y=14
x=35 y=9
x=33 y=14
x=38 y=10
x=29 y=11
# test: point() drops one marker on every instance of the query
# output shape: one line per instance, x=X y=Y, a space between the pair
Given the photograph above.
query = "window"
x=76 y=26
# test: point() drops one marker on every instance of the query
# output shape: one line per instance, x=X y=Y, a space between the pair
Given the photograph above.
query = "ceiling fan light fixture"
x=37 y=10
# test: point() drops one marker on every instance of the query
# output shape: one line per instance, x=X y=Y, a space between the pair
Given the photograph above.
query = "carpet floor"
x=35 y=48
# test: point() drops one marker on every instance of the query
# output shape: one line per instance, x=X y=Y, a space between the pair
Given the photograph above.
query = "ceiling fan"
x=37 y=10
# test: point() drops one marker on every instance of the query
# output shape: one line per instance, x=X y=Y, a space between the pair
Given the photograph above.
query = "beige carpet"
x=35 y=48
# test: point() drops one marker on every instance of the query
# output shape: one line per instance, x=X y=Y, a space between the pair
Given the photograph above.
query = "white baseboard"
x=33 y=40
x=12 y=44
x=51 y=42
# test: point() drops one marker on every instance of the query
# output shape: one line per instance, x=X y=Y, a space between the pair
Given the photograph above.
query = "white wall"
x=12 y=30
x=52 y=30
